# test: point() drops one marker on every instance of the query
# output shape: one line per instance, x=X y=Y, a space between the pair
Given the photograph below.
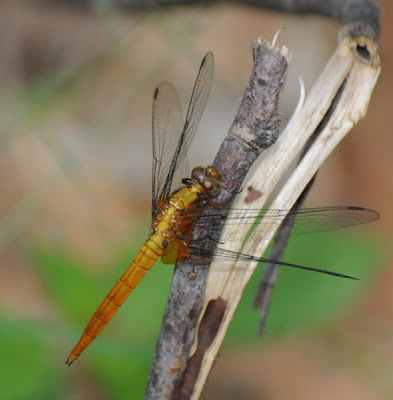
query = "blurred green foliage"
x=118 y=362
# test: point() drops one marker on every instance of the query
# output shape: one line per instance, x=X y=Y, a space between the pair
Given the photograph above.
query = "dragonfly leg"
x=227 y=203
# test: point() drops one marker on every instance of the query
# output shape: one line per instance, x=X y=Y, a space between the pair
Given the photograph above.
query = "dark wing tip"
x=376 y=215
x=208 y=55
x=370 y=210
x=355 y=208
x=344 y=276
x=155 y=93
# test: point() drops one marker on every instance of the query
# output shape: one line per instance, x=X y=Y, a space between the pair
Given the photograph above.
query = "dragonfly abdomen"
x=174 y=220
x=144 y=260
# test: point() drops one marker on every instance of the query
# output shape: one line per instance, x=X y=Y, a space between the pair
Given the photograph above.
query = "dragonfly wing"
x=199 y=96
x=167 y=129
x=202 y=256
x=175 y=252
x=305 y=220
x=169 y=158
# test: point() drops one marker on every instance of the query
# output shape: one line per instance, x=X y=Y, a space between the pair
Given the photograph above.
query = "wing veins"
x=164 y=173
x=306 y=220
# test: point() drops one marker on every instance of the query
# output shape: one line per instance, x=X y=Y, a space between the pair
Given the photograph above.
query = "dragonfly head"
x=208 y=178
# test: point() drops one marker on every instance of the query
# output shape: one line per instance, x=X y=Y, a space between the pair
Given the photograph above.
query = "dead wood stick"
x=354 y=77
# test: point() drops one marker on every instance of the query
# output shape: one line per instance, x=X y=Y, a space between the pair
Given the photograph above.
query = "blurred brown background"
x=75 y=167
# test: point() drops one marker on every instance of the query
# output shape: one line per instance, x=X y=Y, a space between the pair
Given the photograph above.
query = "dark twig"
x=363 y=16
x=270 y=272
x=254 y=129
x=348 y=11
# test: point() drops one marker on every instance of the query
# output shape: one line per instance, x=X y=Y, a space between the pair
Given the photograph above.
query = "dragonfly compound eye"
x=211 y=186
x=213 y=173
x=198 y=174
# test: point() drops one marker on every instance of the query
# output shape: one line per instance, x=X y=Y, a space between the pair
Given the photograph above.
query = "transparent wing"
x=169 y=159
x=199 y=255
x=167 y=128
x=306 y=220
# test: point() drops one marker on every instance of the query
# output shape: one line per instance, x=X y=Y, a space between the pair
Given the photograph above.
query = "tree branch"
x=254 y=129
x=367 y=12
x=348 y=11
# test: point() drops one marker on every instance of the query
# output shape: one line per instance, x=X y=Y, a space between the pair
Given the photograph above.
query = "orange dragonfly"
x=173 y=215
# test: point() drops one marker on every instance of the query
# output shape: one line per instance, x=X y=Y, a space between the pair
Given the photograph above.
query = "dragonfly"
x=177 y=202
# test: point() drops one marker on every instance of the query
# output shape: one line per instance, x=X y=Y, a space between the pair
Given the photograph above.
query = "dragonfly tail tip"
x=70 y=360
